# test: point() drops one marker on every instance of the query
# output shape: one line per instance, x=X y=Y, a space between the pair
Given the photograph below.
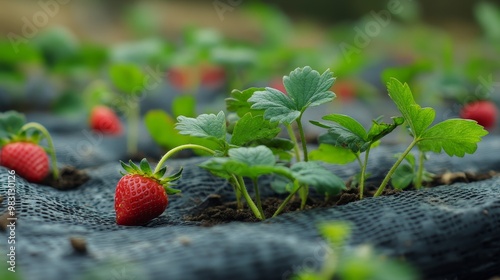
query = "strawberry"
x=142 y=195
x=104 y=120
x=482 y=111
x=20 y=150
x=212 y=75
x=28 y=160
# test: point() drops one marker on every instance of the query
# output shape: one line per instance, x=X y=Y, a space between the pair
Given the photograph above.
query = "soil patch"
x=69 y=178
x=214 y=211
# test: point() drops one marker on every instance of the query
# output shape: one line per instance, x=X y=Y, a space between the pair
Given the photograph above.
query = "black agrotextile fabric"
x=447 y=232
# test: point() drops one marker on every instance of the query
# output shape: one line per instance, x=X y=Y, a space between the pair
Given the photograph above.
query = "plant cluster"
x=247 y=144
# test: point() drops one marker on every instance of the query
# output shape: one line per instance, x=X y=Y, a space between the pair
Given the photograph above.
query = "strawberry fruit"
x=142 y=195
x=105 y=120
x=28 y=160
x=483 y=111
x=20 y=150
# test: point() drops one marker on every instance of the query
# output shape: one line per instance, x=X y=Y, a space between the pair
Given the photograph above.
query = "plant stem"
x=294 y=140
x=249 y=200
x=133 y=128
x=302 y=137
x=303 y=193
x=394 y=167
x=420 y=170
x=363 y=172
x=257 y=196
x=296 y=187
x=51 y=151
x=237 y=192
x=178 y=149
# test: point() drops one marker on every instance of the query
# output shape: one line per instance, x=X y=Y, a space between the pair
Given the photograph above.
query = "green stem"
x=133 y=128
x=303 y=193
x=51 y=151
x=257 y=196
x=302 y=137
x=249 y=200
x=178 y=149
x=237 y=191
x=294 y=140
x=363 y=172
x=296 y=187
x=394 y=167
x=420 y=170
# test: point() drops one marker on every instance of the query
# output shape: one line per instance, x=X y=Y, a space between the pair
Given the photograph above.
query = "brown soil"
x=214 y=211
x=69 y=178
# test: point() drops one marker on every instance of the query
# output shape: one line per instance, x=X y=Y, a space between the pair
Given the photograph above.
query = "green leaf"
x=312 y=174
x=161 y=127
x=341 y=136
x=145 y=167
x=348 y=122
x=332 y=154
x=238 y=102
x=128 y=78
x=305 y=88
x=455 y=136
x=184 y=105
x=379 y=129
x=10 y=123
x=417 y=118
x=250 y=128
x=248 y=162
x=403 y=176
x=208 y=126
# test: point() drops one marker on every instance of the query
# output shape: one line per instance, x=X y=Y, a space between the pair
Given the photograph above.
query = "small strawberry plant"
x=21 y=150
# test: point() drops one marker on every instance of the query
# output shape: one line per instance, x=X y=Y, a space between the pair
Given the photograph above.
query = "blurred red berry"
x=484 y=112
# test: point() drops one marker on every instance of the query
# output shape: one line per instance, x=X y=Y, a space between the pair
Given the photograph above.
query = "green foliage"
x=251 y=128
x=305 y=88
x=128 y=78
x=238 y=102
x=208 y=126
x=358 y=263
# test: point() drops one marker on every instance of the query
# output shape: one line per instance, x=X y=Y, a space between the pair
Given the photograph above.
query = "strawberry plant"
x=20 y=148
x=456 y=137
x=129 y=81
x=358 y=263
x=352 y=139
x=409 y=172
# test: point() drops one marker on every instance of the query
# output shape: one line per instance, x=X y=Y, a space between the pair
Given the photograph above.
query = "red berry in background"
x=345 y=90
x=138 y=200
x=142 y=195
x=178 y=78
x=277 y=83
x=484 y=112
x=212 y=75
x=28 y=160
x=105 y=120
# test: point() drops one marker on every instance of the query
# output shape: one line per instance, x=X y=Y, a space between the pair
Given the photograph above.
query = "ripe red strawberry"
x=142 y=195
x=483 y=111
x=212 y=75
x=104 y=120
x=20 y=150
x=28 y=160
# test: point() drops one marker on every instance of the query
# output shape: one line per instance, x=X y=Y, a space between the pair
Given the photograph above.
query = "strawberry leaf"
x=207 y=126
x=128 y=78
x=455 y=136
x=332 y=154
x=248 y=162
x=417 y=118
x=238 y=102
x=10 y=123
x=379 y=129
x=316 y=176
x=250 y=128
x=305 y=88
x=341 y=136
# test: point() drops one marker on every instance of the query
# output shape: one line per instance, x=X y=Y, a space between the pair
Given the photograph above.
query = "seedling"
x=20 y=148
x=409 y=172
x=350 y=136
x=358 y=263
x=455 y=136
x=129 y=80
